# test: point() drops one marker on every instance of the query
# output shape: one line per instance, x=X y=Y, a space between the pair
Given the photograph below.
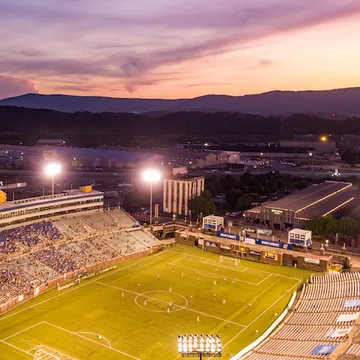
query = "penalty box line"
x=93 y=341
x=166 y=302
x=207 y=273
x=245 y=268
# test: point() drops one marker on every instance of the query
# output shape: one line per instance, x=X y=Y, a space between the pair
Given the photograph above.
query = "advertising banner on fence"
x=252 y=252
x=250 y=241
x=274 y=244
x=227 y=235
x=312 y=261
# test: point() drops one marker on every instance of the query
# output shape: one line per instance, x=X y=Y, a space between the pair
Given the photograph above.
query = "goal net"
x=228 y=260
x=44 y=355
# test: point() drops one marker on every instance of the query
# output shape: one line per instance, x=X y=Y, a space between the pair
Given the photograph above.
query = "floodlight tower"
x=199 y=345
x=151 y=176
x=52 y=170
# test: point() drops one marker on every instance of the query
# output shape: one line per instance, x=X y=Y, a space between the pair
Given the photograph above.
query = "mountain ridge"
x=344 y=102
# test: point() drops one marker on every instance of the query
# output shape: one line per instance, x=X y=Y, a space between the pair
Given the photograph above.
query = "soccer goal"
x=228 y=260
x=44 y=355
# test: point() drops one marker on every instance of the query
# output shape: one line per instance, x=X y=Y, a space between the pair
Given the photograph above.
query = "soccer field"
x=137 y=310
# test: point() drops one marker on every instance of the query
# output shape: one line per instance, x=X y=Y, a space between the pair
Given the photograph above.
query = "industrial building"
x=178 y=190
x=319 y=200
x=218 y=158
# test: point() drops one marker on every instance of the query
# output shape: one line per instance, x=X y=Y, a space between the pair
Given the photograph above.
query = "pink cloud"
x=12 y=86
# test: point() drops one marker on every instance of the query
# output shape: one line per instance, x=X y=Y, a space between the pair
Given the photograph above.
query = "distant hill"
x=341 y=102
x=96 y=104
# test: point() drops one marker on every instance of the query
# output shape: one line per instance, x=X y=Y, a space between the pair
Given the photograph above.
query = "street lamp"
x=52 y=170
x=312 y=161
x=199 y=345
x=151 y=176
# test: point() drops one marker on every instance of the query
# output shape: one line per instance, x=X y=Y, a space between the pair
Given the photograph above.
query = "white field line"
x=166 y=302
x=49 y=349
x=242 y=330
x=180 y=258
x=19 y=332
x=91 y=333
x=95 y=342
x=264 y=279
x=245 y=268
x=210 y=274
x=220 y=265
x=78 y=287
x=15 y=347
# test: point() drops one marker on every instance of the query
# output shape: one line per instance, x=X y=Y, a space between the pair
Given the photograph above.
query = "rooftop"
x=183 y=177
x=67 y=195
x=311 y=196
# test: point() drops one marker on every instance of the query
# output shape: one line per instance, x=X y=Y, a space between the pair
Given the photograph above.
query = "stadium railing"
x=9 y=305
x=272 y=327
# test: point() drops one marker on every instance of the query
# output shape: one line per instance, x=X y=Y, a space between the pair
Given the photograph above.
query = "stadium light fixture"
x=151 y=176
x=52 y=170
x=199 y=345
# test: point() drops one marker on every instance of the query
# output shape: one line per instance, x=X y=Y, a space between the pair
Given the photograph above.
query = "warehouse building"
x=329 y=198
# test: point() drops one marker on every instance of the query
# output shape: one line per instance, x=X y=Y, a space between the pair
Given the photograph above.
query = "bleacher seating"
x=314 y=320
x=353 y=349
x=48 y=250
x=121 y=217
x=28 y=236
x=145 y=238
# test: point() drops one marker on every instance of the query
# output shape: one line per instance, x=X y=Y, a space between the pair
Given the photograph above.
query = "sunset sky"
x=177 y=49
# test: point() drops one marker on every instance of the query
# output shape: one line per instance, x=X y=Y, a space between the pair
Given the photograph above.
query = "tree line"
x=30 y=124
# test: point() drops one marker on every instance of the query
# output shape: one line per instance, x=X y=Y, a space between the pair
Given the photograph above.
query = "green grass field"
x=123 y=314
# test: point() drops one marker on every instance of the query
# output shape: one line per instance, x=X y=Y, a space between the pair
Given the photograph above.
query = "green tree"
x=349 y=227
x=232 y=197
x=301 y=184
x=317 y=226
x=202 y=204
x=253 y=196
x=244 y=203
x=214 y=186
x=331 y=226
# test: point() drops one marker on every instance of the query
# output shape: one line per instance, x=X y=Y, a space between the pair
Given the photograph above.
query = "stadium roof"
x=30 y=202
x=322 y=196
x=327 y=206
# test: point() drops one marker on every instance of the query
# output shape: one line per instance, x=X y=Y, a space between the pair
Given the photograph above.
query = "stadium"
x=78 y=281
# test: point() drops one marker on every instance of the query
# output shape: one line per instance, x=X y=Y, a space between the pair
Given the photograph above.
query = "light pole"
x=199 y=345
x=52 y=170
x=312 y=163
x=151 y=176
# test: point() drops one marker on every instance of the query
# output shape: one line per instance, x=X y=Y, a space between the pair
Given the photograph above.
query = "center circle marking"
x=147 y=295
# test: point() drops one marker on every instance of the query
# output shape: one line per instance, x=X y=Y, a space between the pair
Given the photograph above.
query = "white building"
x=32 y=209
x=212 y=222
x=179 y=190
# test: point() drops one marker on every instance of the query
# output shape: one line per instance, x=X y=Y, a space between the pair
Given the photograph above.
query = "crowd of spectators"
x=23 y=272
x=29 y=235
x=8 y=246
